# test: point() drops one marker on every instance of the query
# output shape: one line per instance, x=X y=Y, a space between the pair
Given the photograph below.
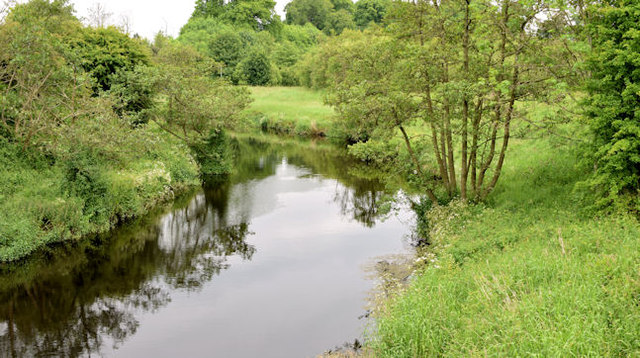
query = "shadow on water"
x=72 y=299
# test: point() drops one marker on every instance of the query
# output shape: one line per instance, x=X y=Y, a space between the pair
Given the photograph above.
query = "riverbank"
x=530 y=272
x=45 y=200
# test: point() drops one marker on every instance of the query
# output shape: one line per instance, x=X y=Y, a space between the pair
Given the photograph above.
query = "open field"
x=290 y=110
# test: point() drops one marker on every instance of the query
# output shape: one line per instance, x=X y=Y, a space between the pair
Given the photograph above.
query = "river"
x=268 y=263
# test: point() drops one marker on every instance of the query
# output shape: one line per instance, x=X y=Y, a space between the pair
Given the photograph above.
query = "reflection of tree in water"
x=70 y=305
x=53 y=319
x=359 y=196
x=76 y=299
x=361 y=203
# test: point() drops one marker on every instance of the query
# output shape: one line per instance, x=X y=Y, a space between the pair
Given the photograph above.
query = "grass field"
x=529 y=274
x=290 y=110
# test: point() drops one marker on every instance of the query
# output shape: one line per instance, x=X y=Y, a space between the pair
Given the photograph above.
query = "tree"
x=342 y=5
x=192 y=106
x=339 y=21
x=614 y=104
x=99 y=16
x=457 y=69
x=316 y=12
x=38 y=87
x=304 y=37
x=255 y=14
x=105 y=51
x=256 y=70
x=228 y=47
x=208 y=8
x=368 y=11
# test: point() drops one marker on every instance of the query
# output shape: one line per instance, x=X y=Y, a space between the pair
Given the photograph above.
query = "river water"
x=266 y=264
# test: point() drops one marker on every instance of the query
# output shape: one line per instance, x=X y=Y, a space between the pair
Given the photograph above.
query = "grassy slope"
x=527 y=275
x=293 y=110
x=38 y=208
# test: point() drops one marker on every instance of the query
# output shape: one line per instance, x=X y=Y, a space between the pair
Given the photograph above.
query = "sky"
x=147 y=17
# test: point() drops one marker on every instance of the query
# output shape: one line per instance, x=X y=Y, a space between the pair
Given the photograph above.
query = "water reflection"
x=64 y=311
x=70 y=300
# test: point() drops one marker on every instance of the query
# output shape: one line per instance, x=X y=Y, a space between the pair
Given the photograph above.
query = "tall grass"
x=528 y=275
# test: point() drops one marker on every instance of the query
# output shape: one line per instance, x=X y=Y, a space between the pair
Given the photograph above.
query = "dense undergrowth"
x=528 y=273
x=46 y=200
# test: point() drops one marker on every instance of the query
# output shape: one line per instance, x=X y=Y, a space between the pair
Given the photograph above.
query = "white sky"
x=147 y=17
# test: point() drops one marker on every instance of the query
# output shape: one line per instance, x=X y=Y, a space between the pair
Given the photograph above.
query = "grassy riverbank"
x=530 y=273
x=290 y=110
x=44 y=200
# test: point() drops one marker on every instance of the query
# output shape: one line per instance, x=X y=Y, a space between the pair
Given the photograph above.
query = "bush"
x=256 y=70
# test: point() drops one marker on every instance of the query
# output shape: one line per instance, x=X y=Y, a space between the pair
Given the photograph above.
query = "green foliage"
x=256 y=70
x=103 y=52
x=339 y=21
x=213 y=155
x=342 y=5
x=191 y=106
x=456 y=70
x=530 y=273
x=370 y=11
x=230 y=45
x=332 y=17
x=316 y=12
x=71 y=162
x=254 y=14
x=303 y=37
x=613 y=105
x=133 y=94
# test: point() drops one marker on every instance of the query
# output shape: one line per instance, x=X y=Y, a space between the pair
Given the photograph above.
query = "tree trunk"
x=464 y=169
x=430 y=193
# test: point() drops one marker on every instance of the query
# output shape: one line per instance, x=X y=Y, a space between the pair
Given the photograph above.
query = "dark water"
x=267 y=264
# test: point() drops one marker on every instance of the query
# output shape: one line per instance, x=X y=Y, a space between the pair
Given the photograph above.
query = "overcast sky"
x=147 y=17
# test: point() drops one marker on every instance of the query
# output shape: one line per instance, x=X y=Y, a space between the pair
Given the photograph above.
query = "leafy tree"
x=368 y=11
x=304 y=37
x=228 y=47
x=105 y=51
x=255 y=14
x=342 y=5
x=192 y=106
x=315 y=67
x=316 y=12
x=198 y=32
x=46 y=99
x=456 y=68
x=339 y=21
x=133 y=93
x=614 y=103
x=256 y=70
x=285 y=56
x=209 y=8
x=38 y=87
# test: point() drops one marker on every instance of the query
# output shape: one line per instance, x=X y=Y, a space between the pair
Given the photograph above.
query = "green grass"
x=527 y=275
x=45 y=201
x=290 y=110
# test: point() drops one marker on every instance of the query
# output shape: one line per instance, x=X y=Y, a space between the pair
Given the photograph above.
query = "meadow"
x=290 y=110
x=531 y=272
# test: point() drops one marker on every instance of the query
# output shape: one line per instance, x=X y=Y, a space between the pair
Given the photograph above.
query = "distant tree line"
x=256 y=47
